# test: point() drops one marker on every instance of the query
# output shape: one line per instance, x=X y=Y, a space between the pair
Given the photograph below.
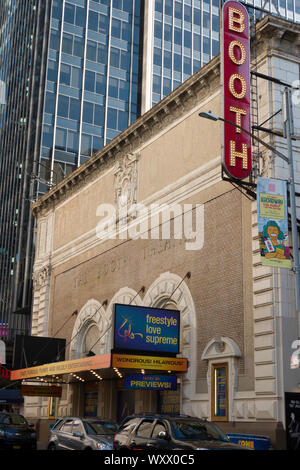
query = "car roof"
x=162 y=416
x=108 y=420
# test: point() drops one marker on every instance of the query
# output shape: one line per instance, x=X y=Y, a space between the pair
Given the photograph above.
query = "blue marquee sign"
x=154 y=330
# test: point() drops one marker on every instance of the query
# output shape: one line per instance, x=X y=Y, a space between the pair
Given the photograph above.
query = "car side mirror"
x=163 y=435
x=78 y=434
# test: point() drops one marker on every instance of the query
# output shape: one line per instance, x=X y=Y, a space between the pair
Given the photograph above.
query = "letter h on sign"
x=236 y=90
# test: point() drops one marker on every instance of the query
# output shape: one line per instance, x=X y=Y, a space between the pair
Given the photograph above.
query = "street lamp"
x=288 y=125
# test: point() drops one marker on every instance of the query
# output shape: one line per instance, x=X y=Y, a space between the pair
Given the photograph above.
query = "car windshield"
x=188 y=430
x=100 y=427
x=12 y=419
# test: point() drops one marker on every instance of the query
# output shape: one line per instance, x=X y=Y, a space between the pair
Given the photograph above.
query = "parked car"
x=74 y=433
x=141 y=432
x=16 y=432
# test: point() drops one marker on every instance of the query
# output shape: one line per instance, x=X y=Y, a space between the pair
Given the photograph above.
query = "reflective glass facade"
x=20 y=61
x=74 y=74
x=91 y=91
x=186 y=37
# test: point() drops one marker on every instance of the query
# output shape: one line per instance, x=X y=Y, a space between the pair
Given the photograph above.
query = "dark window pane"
x=47 y=136
x=157 y=56
x=52 y=71
x=99 y=115
x=215 y=47
x=114 y=57
x=167 y=88
x=168 y=33
x=177 y=63
x=159 y=5
x=187 y=13
x=206 y=20
x=178 y=10
x=116 y=28
x=91 y=50
x=54 y=40
x=97 y=143
x=72 y=142
x=88 y=112
x=187 y=39
x=86 y=145
x=168 y=60
x=69 y=13
x=61 y=139
x=197 y=17
x=117 y=4
x=206 y=45
x=187 y=65
x=74 y=112
x=125 y=60
x=113 y=87
x=156 y=84
x=65 y=74
x=76 y=77
x=127 y=5
x=80 y=17
x=63 y=106
x=100 y=84
x=197 y=42
x=196 y=65
x=169 y=7
x=123 y=90
x=78 y=46
x=215 y=23
x=50 y=103
x=122 y=120
x=56 y=9
x=126 y=31
x=177 y=36
x=103 y=24
x=158 y=29
x=89 y=84
x=67 y=43
x=93 y=20
x=102 y=53
x=112 y=118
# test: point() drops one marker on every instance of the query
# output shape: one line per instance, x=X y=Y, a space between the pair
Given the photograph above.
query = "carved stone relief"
x=126 y=184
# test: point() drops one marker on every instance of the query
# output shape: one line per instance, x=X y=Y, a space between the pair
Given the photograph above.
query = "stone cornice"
x=195 y=89
x=275 y=32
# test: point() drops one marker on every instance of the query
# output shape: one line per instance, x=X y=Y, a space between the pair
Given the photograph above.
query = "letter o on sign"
x=237 y=77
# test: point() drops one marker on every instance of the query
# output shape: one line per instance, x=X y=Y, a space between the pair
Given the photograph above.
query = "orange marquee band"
x=65 y=367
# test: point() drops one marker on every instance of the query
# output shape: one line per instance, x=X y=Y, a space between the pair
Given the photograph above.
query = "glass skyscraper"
x=74 y=74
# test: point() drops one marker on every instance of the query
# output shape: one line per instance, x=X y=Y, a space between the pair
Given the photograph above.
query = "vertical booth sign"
x=236 y=90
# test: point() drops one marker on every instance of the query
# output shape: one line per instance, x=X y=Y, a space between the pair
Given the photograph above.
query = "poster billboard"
x=150 y=382
x=292 y=419
x=154 y=330
x=272 y=219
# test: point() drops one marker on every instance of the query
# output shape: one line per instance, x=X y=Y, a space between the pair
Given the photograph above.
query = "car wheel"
x=51 y=447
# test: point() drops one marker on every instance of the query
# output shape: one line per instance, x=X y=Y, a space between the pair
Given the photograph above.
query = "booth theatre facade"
x=148 y=264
